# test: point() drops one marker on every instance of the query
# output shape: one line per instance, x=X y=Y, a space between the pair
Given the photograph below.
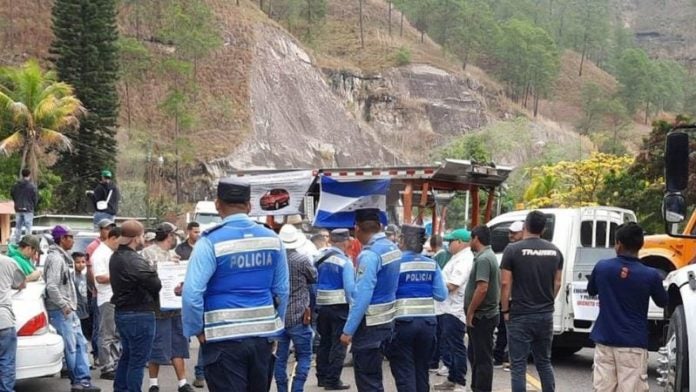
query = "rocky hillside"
x=266 y=100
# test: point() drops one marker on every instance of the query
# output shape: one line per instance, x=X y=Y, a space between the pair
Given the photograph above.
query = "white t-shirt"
x=100 y=265
x=456 y=272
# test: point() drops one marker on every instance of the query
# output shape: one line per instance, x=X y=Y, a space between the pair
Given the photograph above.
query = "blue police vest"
x=382 y=304
x=414 y=297
x=238 y=299
x=330 y=290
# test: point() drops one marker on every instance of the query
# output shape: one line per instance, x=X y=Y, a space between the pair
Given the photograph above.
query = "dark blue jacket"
x=25 y=196
x=624 y=286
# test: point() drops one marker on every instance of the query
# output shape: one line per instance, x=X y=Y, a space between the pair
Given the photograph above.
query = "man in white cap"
x=298 y=315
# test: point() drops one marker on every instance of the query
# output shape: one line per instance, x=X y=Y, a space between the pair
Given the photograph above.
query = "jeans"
x=8 y=359
x=531 y=332
x=368 y=345
x=500 y=351
x=331 y=353
x=238 y=365
x=410 y=351
x=96 y=324
x=22 y=220
x=110 y=343
x=301 y=337
x=76 y=359
x=137 y=332
x=99 y=216
x=199 y=370
x=481 y=343
x=453 y=330
x=438 y=352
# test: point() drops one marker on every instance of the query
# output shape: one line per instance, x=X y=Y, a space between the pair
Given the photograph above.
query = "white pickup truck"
x=584 y=236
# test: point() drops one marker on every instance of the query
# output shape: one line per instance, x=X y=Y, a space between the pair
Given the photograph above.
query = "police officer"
x=370 y=319
x=235 y=294
x=415 y=329
x=334 y=291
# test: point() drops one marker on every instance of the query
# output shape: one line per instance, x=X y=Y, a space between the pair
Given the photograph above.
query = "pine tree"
x=85 y=55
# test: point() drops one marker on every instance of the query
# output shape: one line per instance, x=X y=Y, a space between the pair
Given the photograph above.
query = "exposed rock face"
x=296 y=120
x=413 y=107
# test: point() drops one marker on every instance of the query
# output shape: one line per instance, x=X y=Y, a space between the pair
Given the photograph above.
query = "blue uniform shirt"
x=202 y=267
x=336 y=275
x=370 y=265
x=624 y=286
x=421 y=282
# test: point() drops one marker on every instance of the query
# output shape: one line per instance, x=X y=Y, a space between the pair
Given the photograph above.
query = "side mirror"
x=674 y=208
x=677 y=161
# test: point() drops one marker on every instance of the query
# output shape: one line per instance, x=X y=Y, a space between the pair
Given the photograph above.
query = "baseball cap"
x=516 y=226
x=106 y=173
x=104 y=223
x=33 y=242
x=463 y=235
x=60 y=231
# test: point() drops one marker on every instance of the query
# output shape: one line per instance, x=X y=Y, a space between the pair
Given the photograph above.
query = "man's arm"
x=281 y=283
x=18 y=281
x=439 y=288
x=34 y=276
x=557 y=282
x=349 y=281
x=365 y=285
x=53 y=278
x=34 y=196
x=658 y=292
x=200 y=268
x=309 y=271
x=592 y=288
x=505 y=289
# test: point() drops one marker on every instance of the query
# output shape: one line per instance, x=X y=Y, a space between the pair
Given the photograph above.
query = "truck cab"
x=205 y=214
x=668 y=253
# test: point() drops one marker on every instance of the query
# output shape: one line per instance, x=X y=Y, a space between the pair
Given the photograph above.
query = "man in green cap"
x=105 y=198
x=24 y=253
x=451 y=318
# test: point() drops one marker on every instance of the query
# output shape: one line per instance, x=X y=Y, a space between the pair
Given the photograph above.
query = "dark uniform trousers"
x=331 y=352
x=410 y=351
x=238 y=365
x=368 y=348
x=481 y=343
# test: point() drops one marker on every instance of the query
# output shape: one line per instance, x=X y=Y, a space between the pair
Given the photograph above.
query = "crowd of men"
x=251 y=292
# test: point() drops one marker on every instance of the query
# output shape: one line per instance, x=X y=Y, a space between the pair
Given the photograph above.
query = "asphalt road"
x=573 y=374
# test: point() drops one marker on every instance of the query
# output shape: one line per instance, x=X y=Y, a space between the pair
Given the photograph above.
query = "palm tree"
x=36 y=109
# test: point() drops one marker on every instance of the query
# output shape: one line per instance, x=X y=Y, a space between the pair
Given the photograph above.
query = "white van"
x=205 y=214
x=584 y=236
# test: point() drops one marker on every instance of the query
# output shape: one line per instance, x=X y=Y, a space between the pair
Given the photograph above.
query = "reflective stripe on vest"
x=390 y=257
x=412 y=307
x=378 y=314
x=240 y=315
x=417 y=266
x=239 y=245
x=336 y=261
x=242 y=330
x=331 y=297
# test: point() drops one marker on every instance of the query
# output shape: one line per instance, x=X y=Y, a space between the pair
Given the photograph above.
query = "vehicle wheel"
x=277 y=205
x=562 y=352
x=677 y=352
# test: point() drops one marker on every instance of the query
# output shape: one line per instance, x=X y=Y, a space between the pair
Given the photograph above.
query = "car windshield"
x=205 y=219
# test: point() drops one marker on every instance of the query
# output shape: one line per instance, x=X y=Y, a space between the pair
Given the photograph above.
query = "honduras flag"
x=339 y=200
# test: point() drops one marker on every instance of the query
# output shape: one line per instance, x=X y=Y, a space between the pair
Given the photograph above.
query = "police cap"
x=367 y=214
x=233 y=190
x=340 y=235
x=413 y=232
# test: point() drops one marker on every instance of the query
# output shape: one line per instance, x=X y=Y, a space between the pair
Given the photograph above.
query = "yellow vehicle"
x=667 y=252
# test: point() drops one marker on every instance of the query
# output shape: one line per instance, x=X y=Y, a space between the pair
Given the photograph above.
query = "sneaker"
x=87 y=387
x=153 y=388
x=443 y=371
x=199 y=383
x=446 y=385
x=108 y=375
x=185 y=388
x=506 y=366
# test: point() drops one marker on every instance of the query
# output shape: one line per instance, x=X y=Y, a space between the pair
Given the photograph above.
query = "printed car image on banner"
x=279 y=193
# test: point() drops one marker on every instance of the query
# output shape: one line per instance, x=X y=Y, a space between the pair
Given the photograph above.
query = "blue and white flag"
x=339 y=200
